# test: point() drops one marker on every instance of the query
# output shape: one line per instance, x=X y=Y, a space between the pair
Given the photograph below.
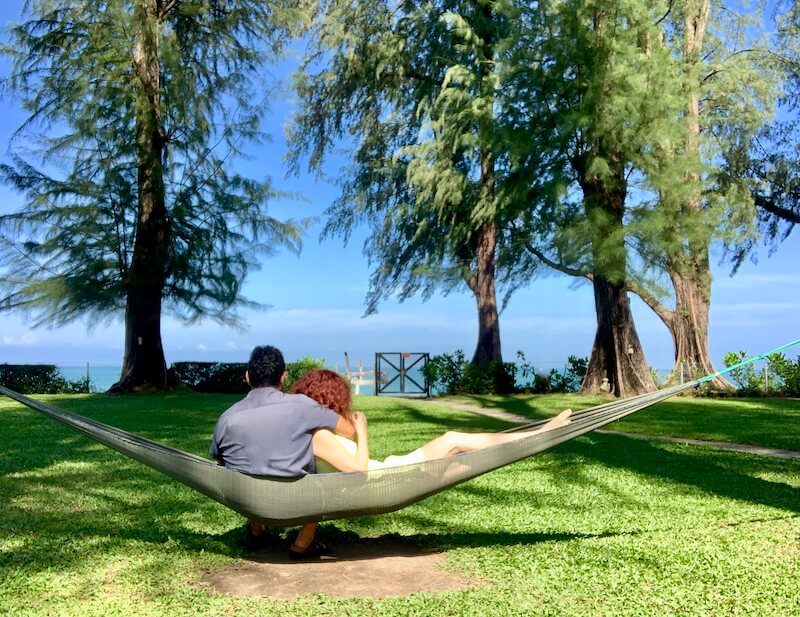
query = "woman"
x=332 y=390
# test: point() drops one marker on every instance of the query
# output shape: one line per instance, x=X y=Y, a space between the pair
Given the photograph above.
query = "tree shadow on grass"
x=453 y=421
x=533 y=406
x=716 y=472
x=104 y=511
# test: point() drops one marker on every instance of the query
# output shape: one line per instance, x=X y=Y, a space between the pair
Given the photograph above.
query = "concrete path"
x=499 y=414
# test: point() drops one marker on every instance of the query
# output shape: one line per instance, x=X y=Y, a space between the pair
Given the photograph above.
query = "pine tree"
x=767 y=164
x=637 y=111
x=417 y=90
x=136 y=111
x=602 y=103
x=717 y=58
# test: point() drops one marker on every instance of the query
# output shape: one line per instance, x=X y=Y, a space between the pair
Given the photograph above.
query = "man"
x=268 y=433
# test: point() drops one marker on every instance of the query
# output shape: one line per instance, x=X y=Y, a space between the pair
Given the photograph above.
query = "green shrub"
x=488 y=378
x=750 y=381
x=444 y=372
x=568 y=380
x=297 y=370
x=571 y=378
x=452 y=374
x=228 y=377
x=38 y=379
x=747 y=380
x=222 y=377
x=787 y=372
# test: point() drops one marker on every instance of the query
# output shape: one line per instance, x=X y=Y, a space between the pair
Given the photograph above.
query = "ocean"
x=103 y=376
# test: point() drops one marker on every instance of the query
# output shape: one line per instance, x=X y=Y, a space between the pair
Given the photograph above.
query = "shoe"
x=315 y=550
x=254 y=543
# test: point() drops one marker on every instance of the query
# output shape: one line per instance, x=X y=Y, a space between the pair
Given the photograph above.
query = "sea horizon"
x=102 y=376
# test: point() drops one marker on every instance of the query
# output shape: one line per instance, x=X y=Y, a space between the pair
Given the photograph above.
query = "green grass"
x=602 y=525
x=769 y=422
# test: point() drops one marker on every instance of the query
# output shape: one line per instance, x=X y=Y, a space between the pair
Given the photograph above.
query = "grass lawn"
x=602 y=525
x=769 y=422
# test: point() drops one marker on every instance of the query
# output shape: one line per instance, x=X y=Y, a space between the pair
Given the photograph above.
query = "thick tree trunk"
x=688 y=325
x=144 y=365
x=617 y=364
x=689 y=267
x=488 y=346
x=690 y=340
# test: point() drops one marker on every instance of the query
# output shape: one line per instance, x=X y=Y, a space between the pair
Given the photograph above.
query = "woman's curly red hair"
x=327 y=388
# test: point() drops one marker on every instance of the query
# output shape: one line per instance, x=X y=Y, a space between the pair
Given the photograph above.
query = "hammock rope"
x=282 y=502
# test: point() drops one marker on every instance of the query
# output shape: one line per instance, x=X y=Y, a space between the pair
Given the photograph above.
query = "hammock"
x=283 y=502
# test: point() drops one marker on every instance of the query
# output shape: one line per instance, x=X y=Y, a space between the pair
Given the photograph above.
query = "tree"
x=601 y=100
x=716 y=59
x=417 y=89
x=768 y=163
x=681 y=102
x=137 y=110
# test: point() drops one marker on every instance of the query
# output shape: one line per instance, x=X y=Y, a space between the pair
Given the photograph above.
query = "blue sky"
x=317 y=300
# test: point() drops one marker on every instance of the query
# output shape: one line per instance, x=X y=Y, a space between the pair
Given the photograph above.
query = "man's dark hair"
x=266 y=366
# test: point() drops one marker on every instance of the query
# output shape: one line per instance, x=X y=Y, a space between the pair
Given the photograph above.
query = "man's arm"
x=345 y=428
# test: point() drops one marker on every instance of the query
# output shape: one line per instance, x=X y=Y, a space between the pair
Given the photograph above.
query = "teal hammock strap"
x=762 y=356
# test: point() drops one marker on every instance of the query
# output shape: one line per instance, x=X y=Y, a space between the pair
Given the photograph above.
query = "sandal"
x=315 y=550
x=267 y=539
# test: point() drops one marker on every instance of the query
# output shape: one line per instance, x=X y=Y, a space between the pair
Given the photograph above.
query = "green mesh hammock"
x=282 y=502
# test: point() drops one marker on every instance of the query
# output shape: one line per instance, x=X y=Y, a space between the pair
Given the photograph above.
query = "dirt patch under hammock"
x=359 y=567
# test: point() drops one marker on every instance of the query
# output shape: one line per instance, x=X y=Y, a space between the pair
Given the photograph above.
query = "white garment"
x=391 y=461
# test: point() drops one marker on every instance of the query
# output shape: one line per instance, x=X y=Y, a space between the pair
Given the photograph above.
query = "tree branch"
x=558 y=266
x=787 y=214
x=666 y=315
x=166 y=8
x=413 y=74
x=665 y=15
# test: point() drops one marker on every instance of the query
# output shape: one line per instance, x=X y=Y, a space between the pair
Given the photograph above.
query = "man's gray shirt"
x=268 y=433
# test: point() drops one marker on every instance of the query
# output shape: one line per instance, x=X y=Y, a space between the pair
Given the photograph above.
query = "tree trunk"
x=617 y=363
x=689 y=267
x=488 y=346
x=688 y=325
x=144 y=365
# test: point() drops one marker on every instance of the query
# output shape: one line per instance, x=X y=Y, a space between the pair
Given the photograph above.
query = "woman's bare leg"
x=453 y=442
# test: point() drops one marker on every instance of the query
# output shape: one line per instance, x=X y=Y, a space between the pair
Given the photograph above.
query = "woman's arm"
x=327 y=446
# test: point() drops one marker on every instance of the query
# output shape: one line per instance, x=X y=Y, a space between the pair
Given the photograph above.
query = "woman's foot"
x=562 y=419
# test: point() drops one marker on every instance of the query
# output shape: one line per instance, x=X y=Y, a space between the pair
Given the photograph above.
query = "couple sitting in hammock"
x=271 y=433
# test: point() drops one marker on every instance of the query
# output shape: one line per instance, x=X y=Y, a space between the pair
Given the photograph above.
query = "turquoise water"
x=101 y=377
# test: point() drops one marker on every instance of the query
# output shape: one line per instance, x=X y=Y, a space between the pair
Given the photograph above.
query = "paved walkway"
x=499 y=414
